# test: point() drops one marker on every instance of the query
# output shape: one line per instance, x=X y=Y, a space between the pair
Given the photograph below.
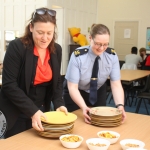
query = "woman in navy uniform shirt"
x=79 y=71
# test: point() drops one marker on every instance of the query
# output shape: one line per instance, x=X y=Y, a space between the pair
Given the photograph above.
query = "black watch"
x=119 y=105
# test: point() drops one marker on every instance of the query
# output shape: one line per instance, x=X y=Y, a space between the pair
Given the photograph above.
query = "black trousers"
x=101 y=99
x=23 y=123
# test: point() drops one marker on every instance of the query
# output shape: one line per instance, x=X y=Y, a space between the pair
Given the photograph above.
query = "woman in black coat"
x=31 y=75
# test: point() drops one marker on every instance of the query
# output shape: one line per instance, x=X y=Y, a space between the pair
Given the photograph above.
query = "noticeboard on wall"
x=148 y=39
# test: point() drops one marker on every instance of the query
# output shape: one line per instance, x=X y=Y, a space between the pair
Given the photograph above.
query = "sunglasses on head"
x=42 y=11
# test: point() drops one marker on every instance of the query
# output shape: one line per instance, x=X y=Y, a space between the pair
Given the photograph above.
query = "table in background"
x=132 y=75
x=136 y=127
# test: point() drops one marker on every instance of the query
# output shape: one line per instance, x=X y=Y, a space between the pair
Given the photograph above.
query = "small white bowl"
x=71 y=144
x=111 y=140
x=97 y=141
x=131 y=141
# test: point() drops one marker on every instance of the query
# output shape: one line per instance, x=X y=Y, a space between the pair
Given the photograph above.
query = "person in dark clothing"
x=31 y=75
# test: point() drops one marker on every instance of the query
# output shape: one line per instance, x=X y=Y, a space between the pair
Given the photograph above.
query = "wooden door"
x=125 y=37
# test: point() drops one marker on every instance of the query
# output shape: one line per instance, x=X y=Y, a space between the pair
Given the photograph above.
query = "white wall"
x=77 y=13
x=110 y=11
x=14 y=15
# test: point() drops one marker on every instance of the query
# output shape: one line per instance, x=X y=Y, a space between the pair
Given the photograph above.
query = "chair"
x=134 y=90
x=145 y=67
x=128 y=85
x=129 y=66
x=144 y=94
x=62 y=78
x=121 y=62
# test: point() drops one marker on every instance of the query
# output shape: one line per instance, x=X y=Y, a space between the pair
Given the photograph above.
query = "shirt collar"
x=93 y=56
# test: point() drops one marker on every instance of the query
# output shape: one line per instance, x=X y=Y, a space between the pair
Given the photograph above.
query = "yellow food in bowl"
x=132 y=145
x=71 y=139
x=97 y=144
x=108 y=135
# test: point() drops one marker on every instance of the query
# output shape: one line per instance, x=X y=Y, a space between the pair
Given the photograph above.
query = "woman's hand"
x=63 y=109
x=36 y=120
x=86 y=115
x=123 y=113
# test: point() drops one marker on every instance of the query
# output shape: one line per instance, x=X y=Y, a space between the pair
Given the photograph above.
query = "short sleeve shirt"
x=80 y=68
x=133 y=59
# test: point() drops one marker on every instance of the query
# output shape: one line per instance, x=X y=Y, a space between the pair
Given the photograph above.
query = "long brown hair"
x=27 y=38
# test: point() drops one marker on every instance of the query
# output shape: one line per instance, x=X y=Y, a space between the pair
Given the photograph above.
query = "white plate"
x=105 y=111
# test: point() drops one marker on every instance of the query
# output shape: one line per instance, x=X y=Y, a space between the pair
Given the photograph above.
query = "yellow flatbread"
x=57 y=117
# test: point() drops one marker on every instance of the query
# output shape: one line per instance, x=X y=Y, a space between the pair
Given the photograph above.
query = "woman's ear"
x=90 y=38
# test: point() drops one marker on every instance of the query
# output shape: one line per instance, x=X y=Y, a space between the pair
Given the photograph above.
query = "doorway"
x=125 y=37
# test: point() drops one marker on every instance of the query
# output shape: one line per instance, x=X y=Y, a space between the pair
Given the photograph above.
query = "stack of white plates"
x=57 y=124
x=105 y=116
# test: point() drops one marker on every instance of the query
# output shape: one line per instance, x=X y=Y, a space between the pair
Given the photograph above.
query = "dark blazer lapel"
x=55 y=68
x=28 y=68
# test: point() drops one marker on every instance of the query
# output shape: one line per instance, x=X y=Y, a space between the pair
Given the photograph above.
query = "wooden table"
x=132 y=75
x=136 y=126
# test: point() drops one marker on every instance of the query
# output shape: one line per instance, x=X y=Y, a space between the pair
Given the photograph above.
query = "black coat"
x=16 y=80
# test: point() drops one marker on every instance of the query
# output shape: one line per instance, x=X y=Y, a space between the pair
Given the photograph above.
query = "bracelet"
x=119 y=105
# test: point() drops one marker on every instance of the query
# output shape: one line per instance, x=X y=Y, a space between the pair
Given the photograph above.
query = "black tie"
x=93 y=83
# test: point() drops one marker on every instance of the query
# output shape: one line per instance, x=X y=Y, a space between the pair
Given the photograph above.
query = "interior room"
x=129 y=26
x=83 y=17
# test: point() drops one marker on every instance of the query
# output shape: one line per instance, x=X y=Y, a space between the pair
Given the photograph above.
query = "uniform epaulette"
x=82 y=51
x=110 y=51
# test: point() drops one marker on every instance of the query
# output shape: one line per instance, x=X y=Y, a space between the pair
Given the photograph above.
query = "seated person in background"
x=146 y=64
x=142 y=52
x=133 y=58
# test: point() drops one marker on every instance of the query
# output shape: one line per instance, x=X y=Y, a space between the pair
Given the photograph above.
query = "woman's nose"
x=44 y=36
x=101 y=47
